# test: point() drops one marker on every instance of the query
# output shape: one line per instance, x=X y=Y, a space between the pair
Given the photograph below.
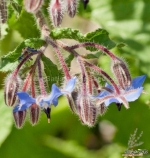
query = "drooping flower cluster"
x=86 y=97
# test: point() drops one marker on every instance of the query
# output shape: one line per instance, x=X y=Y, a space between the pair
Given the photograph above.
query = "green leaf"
x=91 y=56
x=52 y=73
x=17 y=8
x=69 y=59
x=100 y=36
x=10 y=61
x=25 y=25
x=6 y=119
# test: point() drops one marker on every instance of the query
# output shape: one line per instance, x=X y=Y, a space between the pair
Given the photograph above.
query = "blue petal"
x=70 y=85
x=25 y=98
x=133 y=95
x=112 y=100
x=104 y=92
x=52 y=98
x=107 y=85
x=22 y=108
x=55 y=101
x=138 y=81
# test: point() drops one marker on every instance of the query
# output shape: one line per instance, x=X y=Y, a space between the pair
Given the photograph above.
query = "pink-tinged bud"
x=19 y=118
x=32 y=6
x=3 y=11
x=11 y=87
x=86 y=110
x=56 y=11
x=119 y=68
x=34 y=113
x=101 y=109
x=72 y=7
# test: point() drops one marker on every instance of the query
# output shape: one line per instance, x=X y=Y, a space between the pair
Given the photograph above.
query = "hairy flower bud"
x=72 y=102
x=34 y=113
x=56 y=12
x=119 y=68
x=10 y=89
x=86 y=110
x=19 y=118
x=72 y=7
x=32 y=6
x=101 y=109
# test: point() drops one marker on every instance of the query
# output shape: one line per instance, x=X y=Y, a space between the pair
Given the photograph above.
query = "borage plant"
x=87 y=96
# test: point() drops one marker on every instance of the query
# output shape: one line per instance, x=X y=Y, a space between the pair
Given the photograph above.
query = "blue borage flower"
x=56 y=92
x=129 y=94
x=26 y=100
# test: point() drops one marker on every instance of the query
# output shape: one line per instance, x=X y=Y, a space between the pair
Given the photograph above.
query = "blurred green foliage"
x=128 y=22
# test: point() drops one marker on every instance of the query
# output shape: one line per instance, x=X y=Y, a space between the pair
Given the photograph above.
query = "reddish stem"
x=60 y=57
x=22 y=62
x=41 y=81
x=105 y=75
x=98 y=46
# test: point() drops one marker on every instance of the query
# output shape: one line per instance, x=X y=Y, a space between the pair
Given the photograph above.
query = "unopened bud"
x=19 y=118
x=10 y=89
x=32 y=6
x=86 y=110
x=72 y=7
x=72 y=102
x=56 y=12
x=119 y=68
x=101 y=109
x=34 y=113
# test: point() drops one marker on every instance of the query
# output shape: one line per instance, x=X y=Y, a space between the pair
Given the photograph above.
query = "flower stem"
x=30 y=75
x=71 y=50
x=22 y=62
x=105 y=75
x=41 y=81
x=98 y=46
x=60 y=57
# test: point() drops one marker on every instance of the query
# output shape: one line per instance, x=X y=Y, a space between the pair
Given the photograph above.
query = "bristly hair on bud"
x=101 y=109
x=86 y=110
x=11 y=87
x=122 y=74
x=56 y=11
x=32 y=6
x=3 y=11
x=72 y=7
x=19 y=118
x=34 y=113
x=72 y=103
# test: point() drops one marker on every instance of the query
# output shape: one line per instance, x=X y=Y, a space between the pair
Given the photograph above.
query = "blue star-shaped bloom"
x=56 y=92
x=25 y=101
x=129 y=94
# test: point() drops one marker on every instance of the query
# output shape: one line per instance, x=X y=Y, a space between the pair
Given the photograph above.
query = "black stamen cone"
x=85 y=2
x=119 y=106
x=48 y=112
